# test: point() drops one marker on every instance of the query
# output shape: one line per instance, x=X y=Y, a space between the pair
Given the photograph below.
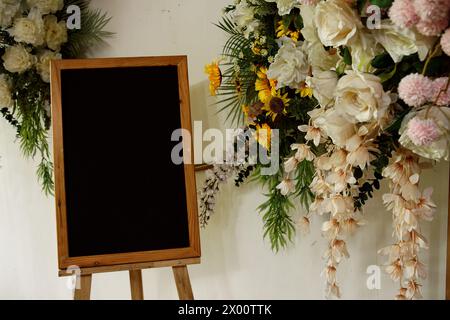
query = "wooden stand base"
x=179 y=268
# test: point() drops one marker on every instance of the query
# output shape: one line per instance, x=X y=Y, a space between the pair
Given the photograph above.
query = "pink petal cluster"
x=445 y=42
x=429 y=16
x=403 y=13
x=441 y=92
x=415 y=89
x=422 y=132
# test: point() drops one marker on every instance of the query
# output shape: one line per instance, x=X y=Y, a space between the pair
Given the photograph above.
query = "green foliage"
x=305 y=174
x=382 y=3
x=346 y=55
x=278 y=224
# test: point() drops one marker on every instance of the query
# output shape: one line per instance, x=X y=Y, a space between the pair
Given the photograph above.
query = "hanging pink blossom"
x=432 y=28
x=445 y=42
x=422 y=132
x=403 y=13
x=432 y=10
x=441 y=92
x=415 y=89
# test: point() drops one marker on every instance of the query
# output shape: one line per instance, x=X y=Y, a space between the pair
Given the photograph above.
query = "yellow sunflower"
x=263 y=85
x=215 y=77
x=277 y=104
x=282 y=31
x=305 y=91
x=263 y=135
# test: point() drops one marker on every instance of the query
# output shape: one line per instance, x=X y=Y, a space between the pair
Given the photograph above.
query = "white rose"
x=336 y=126
x=363 y=50
x=438 y=149
x=5 y=93
x=8 y=10
x=285 y=6
x=360 y=97
x=244 y=17
x=290 y=67
x=43 y=64
x=17 y=59
x=56 y=32
x=46 y=6
x=337 y=23
x=401 y=42
x=29 y=30
x=323 y=84
x=318 y=56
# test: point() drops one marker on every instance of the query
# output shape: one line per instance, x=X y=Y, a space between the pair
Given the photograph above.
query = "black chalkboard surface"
x=120 y=197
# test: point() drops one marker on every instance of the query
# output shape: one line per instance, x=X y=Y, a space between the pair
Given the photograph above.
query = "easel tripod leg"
x=137 y=290
x=183 y=283
x=83 y=288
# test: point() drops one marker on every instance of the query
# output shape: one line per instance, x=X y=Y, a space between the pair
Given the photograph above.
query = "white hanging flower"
x=43 y=64
x=8 y=10
x=290 y=67
x=303 y=224
x=285 y=6
x=46 y=6
x=29 y=30
x=5 y=93
x=290 y=164
x=340 y=179
x=286 y=186
x=303 y=152
x=312 y=133
x=17 y=59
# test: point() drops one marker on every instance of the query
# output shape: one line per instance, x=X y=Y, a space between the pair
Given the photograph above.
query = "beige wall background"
x=237 y=263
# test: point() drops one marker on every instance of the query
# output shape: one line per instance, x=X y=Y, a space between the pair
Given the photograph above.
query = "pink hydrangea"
x=445 y=42
x=422 y=132
x=432 y=28
x=441 y=92
x=432 y=10
x=415 y=89
x=403 y=13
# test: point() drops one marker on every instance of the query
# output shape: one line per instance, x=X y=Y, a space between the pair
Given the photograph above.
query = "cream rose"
x=5 y=93
x=337 y=23
x=401 y=42
x=324 y=85
x=46 y=6
x=56 y=32
x=290 y=67
x=43 y=64
x=29 y=30
x=336 y=126
x=8 y=10
x=17 y=59
x=360 y=97
x=285 y=6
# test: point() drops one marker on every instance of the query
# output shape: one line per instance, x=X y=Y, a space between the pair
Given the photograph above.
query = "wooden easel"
x=179 y=268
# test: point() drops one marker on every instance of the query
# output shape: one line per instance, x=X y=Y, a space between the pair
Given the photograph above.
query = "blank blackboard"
x=121 y=198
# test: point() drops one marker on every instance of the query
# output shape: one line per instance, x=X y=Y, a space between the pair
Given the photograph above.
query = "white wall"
x=237 y=264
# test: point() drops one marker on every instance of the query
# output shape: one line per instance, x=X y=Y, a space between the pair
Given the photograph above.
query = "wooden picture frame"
x=191 y=253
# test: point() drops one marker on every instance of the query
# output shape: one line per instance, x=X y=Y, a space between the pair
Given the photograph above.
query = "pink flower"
x=445 y=42
x=432 y=10
x=422 y=132
x=403 y=14
x=415 y=90
x=432 y=28
x=441 y=92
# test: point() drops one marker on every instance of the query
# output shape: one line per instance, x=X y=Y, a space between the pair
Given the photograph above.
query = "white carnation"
x=244 y=17
x=337 y=23
x=17 y=59
x=360 y=97
x=6 y=100
x=290 y=67
x=46 y=6
x=43 y=64
x=29 y=30
x=285 y=6
x=8 y=10
x=56 y=32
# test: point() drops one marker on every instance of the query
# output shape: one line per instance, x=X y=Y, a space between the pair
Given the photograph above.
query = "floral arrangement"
x=32 y=33
x=359 y=91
